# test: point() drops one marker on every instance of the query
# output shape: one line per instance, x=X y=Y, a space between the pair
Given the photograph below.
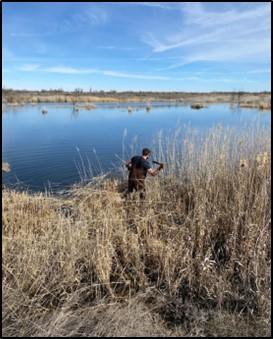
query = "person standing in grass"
x=138 y=168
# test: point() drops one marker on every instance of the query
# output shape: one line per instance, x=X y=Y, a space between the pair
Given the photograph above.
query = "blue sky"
x=137 y=46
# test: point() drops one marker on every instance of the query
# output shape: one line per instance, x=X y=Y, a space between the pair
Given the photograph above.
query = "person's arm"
x=155 y=171
x=128 y=164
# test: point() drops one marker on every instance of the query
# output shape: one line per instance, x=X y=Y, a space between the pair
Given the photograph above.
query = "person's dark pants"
x=135 y=184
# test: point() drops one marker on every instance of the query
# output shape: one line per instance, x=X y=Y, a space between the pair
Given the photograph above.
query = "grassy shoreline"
x=193 y=259
x=243 y=98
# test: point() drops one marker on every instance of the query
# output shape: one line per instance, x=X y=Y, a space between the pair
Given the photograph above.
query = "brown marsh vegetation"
x=16 y=97
x=197 y=106
x=260 y=105
x=193 y=259
x=5 y=167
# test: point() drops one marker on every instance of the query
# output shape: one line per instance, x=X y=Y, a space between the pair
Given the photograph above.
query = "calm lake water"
x=47 y=150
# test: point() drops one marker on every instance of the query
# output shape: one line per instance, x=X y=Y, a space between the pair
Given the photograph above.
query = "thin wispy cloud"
x=29 y=35
x=213 y=36
x=260 y=71
x=29 y=67
x=111 y=73
x=121 y=48
x=195 y=14
x=73 y=21
x=157 y=5
x=96 y=16
x=65 y=70
x=231 y=52
x=83 y=19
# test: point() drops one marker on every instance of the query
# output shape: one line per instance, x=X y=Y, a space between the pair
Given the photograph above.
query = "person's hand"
x=128 y=165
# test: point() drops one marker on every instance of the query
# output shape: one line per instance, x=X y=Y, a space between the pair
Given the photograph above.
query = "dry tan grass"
x=89 y=107
x=265 y=106
x=10 y=96
x=127 y=319
x=193 y=259
x=5 y=167
x=257 y=104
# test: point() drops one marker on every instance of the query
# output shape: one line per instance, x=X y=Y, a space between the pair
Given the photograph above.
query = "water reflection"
x=75 y=113
x=44 y=110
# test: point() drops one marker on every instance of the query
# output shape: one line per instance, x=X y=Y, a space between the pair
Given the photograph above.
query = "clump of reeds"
x=194 y=256
x=256 y=104
x=89 y=107
x=265 y=106
x=5 y=167
x=197 y=106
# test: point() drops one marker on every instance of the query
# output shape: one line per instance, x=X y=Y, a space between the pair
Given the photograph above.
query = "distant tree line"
x=82 y=91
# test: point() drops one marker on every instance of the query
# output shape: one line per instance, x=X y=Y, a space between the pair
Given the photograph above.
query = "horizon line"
x=80 y=90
